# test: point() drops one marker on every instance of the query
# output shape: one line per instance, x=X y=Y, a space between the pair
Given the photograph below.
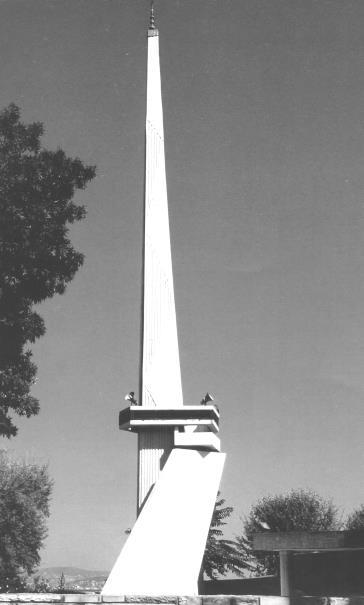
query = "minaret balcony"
x=138 y=417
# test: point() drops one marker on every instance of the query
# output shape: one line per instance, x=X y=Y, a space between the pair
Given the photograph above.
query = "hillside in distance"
x=74 y=577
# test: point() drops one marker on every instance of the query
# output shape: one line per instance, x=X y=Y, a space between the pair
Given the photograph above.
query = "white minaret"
x=164 y=551
x=160 y=372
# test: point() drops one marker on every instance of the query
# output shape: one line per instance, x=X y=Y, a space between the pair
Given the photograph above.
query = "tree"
x=221 y=555
x=297 y=510
x=24 y=506
x=356 y=519
x=37 y=259
x=61 y=583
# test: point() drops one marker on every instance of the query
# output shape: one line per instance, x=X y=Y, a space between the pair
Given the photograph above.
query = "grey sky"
x=264 y=124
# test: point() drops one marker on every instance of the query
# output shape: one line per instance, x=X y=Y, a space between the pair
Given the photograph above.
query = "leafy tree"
x=37 y=259
x=221 y=555
x=24 y=506
x=297 y=510
x=356 y=519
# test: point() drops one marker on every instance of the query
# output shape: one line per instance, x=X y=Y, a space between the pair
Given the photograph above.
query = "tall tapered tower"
x=179 y=459
x=161 y=375
x=160 y=383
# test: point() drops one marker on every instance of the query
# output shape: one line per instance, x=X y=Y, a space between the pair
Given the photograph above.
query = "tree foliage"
x=221 y=555
x=356 y=519
x=61 y=583
x=297 y=510
x=24 y=506
x=37 y=259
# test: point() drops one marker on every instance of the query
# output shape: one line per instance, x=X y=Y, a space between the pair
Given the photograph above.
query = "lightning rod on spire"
x=152 y=16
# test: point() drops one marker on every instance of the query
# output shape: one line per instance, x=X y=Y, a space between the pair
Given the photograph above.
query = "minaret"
x=164 y=551
x=160 y=372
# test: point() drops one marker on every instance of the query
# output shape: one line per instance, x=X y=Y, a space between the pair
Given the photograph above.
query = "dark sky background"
x=264 y=125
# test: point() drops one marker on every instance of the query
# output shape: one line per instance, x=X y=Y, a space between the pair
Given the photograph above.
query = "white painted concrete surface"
x=161 y=374
x=154 y=447
x=164 y=551
x=197 y=439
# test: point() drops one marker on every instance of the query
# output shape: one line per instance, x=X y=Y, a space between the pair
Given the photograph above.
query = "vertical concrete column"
x=154 y=448
x=285 y=569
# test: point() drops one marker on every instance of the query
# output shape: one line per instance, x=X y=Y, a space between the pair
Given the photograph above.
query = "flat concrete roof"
x=307 y=541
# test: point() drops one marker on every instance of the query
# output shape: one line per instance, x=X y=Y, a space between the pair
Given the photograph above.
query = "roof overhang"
x=306 y=541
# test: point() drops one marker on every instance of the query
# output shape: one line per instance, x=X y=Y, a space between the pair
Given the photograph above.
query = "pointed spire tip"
x=152 y=16
x=152 y=30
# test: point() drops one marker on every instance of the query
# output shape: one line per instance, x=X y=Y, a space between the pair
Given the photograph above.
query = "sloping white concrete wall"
x=164 y=551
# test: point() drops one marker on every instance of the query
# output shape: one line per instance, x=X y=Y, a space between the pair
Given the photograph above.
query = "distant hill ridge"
x=70 y=571
x=74 y=577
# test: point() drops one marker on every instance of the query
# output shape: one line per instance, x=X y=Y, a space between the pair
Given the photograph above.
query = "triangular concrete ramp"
x=164 y=551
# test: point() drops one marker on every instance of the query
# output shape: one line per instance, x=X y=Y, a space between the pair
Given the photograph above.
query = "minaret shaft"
x=154 y=447
x=160 y=372
x=161 y=375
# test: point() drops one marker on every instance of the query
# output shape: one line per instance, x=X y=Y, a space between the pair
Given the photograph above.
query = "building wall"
x=89 y=599
x=267 y=585
x=331 y=574
x=335 y=574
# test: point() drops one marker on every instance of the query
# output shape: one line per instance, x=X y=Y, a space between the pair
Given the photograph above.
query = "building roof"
x=308 y=541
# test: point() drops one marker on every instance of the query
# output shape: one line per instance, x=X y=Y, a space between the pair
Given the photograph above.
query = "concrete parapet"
x=91 y=599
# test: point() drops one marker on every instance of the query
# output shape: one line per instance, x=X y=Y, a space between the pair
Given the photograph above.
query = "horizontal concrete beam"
x=305 y=541
x=136 y=417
